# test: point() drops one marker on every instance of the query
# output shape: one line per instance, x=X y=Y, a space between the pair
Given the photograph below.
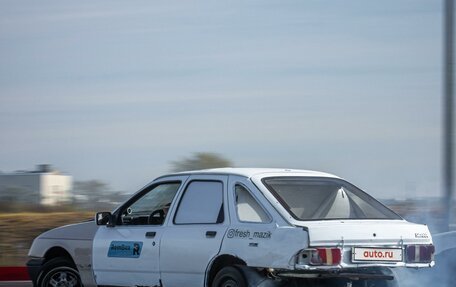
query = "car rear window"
x=325 y=198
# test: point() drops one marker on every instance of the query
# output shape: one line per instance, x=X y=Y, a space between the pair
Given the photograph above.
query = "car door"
x=127 y=254
x=195 y=234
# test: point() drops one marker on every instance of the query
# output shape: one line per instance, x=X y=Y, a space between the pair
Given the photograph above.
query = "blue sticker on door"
x=125 y=249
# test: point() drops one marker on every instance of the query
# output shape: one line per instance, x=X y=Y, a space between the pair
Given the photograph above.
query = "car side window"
x=247 y=207
x=152 y=207
x=202 y=203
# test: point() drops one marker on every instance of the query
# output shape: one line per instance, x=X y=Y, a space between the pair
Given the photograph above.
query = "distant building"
x=43 y=186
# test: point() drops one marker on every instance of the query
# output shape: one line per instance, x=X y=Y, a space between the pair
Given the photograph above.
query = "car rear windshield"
x=325 y=198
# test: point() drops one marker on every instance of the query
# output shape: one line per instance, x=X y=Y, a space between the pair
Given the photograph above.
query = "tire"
x=229 y=277
x=59 y=272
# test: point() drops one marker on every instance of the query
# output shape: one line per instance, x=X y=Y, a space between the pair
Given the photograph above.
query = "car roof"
x=250 y=172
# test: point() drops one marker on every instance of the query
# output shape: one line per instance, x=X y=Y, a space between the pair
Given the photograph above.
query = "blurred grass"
x=17 y=231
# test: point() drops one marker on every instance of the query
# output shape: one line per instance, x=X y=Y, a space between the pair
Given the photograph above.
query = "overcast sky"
x=116 y=90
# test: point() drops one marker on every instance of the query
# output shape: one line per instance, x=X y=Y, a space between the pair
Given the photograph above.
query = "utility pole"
x=448 y=107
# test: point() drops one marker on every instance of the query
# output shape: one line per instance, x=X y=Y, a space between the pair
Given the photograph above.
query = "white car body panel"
x=142 y=271
x=370 y=232
x=266 y=249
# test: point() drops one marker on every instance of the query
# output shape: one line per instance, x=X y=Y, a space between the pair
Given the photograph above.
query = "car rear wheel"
x=229 y=277
x=59 y=272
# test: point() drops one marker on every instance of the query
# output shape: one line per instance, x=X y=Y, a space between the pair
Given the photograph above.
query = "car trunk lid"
x=366 y=232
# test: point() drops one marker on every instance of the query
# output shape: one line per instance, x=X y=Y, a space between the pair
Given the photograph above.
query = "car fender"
x=76 y=240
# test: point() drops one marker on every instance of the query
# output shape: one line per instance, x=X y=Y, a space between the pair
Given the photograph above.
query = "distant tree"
x=201 y=160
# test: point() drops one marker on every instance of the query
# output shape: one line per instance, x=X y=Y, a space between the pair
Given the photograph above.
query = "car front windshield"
x=309 y=198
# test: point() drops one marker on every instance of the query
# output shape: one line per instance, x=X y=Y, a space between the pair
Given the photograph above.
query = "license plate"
x=377 y=254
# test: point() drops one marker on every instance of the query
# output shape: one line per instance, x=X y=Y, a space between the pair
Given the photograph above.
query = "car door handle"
x=151 y=234
x=210 y=234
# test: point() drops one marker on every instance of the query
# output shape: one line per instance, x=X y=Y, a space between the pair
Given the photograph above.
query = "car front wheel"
x=229 y=277
x=59 y=272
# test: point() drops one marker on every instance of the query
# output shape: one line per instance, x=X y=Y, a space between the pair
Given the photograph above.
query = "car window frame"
x=139 y=195
x=257 y=201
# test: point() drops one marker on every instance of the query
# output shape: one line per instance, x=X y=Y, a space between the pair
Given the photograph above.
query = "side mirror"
x=105 y=218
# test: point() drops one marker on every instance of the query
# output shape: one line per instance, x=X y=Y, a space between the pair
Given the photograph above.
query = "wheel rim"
x=63 y=277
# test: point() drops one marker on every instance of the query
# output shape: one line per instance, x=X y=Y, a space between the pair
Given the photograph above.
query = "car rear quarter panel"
x=270 y=244
x=265 y=246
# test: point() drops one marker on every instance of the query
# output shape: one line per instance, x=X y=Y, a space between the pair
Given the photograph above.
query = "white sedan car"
x=235 y=227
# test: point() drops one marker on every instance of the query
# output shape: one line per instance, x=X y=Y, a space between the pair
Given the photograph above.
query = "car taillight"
x=420 y=253
x=325 y=256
